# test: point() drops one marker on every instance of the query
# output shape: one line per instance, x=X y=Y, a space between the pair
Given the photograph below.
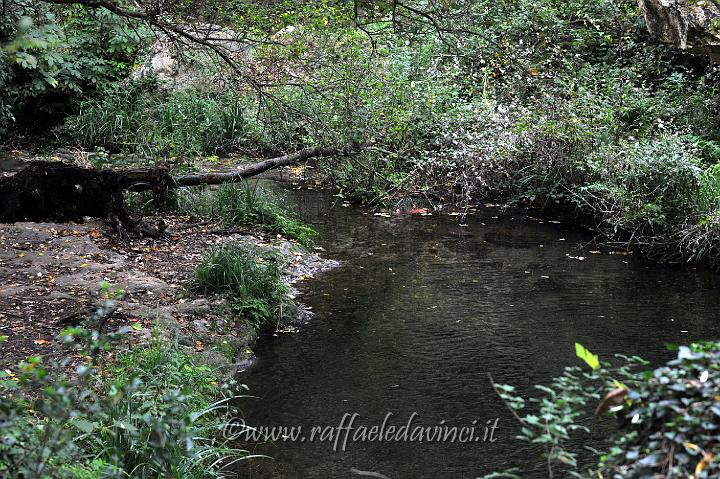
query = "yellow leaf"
x=706 y=460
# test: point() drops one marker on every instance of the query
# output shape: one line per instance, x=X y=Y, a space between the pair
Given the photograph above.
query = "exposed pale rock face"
x=180 y=64
x=692 y=25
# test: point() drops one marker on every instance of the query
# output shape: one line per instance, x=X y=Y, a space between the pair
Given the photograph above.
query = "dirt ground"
x=50 y=277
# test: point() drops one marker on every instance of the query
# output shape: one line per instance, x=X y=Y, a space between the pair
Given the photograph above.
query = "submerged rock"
x=692 y=25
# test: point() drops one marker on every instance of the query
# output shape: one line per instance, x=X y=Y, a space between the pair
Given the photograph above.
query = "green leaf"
x=4 y=338
x=590 y=359
x=26 y=60
x=51 y=81
x=85 y=426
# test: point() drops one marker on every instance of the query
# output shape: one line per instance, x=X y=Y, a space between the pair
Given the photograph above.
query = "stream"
x=419 y=313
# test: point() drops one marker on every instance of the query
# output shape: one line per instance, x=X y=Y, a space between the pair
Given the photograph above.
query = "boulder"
x=692 y=25
x=179 y=64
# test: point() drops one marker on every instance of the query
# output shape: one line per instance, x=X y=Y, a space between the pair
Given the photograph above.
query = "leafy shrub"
x=252 y=282
x=137 y=418
x=667 y=418
x=670 y=425
x=653 y=183
x=51 y=56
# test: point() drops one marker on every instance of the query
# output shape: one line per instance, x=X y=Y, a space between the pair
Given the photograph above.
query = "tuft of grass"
x=245 y=204
x=163 y=366
x=252 y=282
x=231 y=204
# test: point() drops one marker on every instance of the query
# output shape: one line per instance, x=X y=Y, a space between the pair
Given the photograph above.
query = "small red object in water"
x=416 y=211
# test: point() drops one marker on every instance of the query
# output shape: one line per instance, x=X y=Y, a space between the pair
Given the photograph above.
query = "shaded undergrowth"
x=148 y=412
x=231 y=204
x=142 y=118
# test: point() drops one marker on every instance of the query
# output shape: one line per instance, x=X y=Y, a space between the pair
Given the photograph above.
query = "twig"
x=368 y=473
x=497 y=391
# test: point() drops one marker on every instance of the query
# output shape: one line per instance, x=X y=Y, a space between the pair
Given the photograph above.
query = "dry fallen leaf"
x=706 y=460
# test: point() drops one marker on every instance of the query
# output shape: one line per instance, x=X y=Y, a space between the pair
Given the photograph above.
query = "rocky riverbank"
x=52 y=276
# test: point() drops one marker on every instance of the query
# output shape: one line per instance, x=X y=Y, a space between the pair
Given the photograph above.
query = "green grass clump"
x=247 y=205
x=160 y=366
x=251 y=281
x=242 y=204
x=232 y=204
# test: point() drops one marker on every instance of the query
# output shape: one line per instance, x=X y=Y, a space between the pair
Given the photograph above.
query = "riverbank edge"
x=65 y=265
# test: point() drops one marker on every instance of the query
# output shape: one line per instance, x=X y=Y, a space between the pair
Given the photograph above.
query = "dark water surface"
x=423 y=309
x=10 y=164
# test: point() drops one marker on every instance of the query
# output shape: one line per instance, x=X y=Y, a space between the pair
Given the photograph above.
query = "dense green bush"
x=670 y=424
x=649 y=183
x=140 y=117
x=50 y=56
x=148 y=413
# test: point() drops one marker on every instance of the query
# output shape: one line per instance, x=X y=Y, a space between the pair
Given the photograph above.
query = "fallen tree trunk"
x=255 y=169
x=55 y=191
x=150 y=179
